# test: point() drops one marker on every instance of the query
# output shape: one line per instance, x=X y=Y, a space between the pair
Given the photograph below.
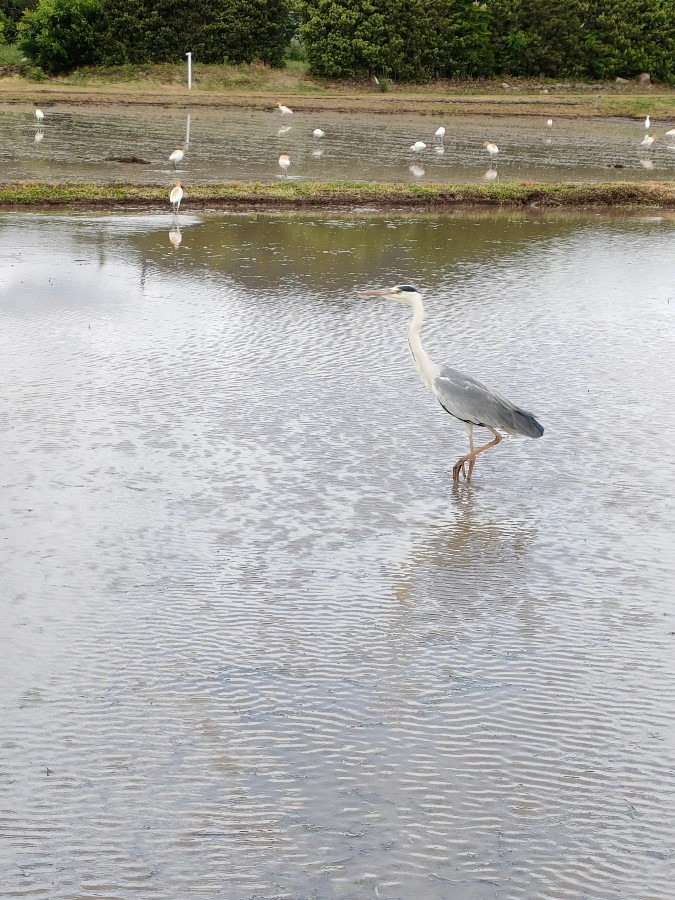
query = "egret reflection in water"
x=175 y=236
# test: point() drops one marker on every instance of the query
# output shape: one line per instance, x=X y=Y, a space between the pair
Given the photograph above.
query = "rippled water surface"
x=225 y=144
x=253 y=643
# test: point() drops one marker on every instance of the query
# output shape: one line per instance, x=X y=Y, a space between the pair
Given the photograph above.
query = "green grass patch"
x=10 y=55
x=291 y=194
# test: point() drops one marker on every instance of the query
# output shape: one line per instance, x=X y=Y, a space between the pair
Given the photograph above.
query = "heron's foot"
x=457 y=468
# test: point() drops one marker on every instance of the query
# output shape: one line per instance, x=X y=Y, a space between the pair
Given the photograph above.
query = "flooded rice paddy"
x=254 y=645
x=230 y=144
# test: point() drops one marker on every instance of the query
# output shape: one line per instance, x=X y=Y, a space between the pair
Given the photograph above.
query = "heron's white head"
x=403 y=293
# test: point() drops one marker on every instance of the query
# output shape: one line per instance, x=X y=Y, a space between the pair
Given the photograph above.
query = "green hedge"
x=415 y=40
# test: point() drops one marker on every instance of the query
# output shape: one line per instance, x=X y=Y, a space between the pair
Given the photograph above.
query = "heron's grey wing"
x=470 y=400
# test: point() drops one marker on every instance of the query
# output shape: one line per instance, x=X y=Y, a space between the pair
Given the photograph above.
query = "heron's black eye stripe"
x=406 y=287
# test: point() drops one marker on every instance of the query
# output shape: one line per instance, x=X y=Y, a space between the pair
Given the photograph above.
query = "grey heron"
x=463 y=396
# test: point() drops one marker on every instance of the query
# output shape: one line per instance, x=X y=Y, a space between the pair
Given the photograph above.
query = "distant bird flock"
x=417 y=148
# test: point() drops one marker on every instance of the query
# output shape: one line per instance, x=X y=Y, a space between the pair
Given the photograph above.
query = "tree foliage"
x=411 y=40
x=61 y=34
x=142 y=31
x=10 y=13
x=420 y=39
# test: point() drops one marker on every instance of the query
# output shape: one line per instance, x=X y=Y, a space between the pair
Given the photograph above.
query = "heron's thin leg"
x=470 y=457
x=469 y=428
x=469 y=432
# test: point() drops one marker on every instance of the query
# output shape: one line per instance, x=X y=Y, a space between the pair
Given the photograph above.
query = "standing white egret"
x=439 y=134
x=176 y=157
x=465 y=398
x=284 y=162
x=549 y=123
x=176 y=196
x=647 y=141
x=318 y=133
x=491 y=148
x=647 y=123
x=284 y=110
x=39 y=115
x=418 y=146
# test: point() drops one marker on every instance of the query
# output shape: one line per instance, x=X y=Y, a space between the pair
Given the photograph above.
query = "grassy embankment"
x=305 y=195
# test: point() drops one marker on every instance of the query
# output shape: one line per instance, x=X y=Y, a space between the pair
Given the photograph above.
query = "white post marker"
x=189 y=57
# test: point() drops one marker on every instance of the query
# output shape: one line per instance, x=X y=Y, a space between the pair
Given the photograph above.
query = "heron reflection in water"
x=463 y=396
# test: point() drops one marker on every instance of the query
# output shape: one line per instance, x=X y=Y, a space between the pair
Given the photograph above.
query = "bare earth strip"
x=483 y=99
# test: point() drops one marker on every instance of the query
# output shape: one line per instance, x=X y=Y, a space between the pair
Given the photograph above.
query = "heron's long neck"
x=428 y=370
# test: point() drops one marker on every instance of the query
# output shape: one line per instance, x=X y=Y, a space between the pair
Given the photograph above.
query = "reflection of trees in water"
x=262 y=250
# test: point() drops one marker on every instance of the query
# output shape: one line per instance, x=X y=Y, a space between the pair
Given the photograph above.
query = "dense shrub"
x=142 y=31
x=420 y=39
x=10 y=13
x=61 y=34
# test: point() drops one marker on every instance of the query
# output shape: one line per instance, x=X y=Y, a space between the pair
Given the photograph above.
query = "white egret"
x=284 y=110
x=670 y=133
x=284 y=162
x=176 y=196
x=549 y=123
x=176 y=157
x=318 y=133
x=39 y=115
x=418 y=146
x=463 y=396
x=647 y=123
x=647 y=141
x=491 y=148
x=439 y=133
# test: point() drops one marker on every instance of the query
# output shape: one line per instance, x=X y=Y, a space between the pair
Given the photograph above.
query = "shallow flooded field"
x=91 y=144
x=254 y=645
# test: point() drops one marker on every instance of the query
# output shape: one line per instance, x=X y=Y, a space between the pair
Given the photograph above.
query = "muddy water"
x=87 y=143
x=253 y=643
